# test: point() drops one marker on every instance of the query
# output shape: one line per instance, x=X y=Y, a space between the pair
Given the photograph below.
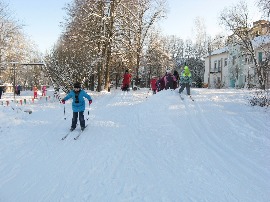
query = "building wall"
x=239 y=70
x=263 y=54
x=223 y=78
x=218 y=71
x=8 y=87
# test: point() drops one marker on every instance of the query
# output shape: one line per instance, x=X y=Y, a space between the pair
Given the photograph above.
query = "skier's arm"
x=88 y=97
x=190 y=80
x=68 y=96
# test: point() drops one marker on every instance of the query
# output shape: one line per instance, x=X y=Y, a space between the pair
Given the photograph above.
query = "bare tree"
x=148 y=12
x=264 y=5
x=98 y=38
x=158 y=57
x=8 y=28
x=175 y=46
x=201 y=38
x=16 y=47
x=237 y=20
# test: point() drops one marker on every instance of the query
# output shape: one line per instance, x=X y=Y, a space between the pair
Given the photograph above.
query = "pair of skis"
x=182 y=98
x=75 y=138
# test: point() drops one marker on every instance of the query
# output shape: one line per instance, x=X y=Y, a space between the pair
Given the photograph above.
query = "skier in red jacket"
x=126 y=81
x=153 y=83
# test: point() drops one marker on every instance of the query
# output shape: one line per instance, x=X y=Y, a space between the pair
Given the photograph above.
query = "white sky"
x=182 y=14
x=42 y=17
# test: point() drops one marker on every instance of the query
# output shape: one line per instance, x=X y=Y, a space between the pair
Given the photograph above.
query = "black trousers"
x=75 y=119
x=125 y=88
x=185 y=85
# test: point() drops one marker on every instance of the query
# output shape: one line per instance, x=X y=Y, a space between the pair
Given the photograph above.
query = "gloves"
x=90 y=102
x=63 y=101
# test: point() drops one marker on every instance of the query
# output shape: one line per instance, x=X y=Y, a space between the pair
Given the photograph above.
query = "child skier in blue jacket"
x=78 y=105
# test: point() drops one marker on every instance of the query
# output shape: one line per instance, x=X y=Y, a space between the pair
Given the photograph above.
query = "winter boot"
x=71 y=129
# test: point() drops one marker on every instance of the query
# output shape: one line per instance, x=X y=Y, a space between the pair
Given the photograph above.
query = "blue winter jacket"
x=80 y=106
x=185 y=79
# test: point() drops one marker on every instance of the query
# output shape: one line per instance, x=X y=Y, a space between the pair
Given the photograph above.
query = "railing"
x=216 y=70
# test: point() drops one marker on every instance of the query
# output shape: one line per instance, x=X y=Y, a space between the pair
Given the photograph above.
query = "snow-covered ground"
x=138 y=147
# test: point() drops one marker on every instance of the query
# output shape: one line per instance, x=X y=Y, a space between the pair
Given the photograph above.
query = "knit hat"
x=186 y=71
x=77 y=85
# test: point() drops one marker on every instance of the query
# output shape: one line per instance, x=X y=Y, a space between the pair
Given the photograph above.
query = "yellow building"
x=260 y=27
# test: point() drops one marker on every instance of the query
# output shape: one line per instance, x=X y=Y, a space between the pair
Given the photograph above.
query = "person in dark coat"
x=175 y=83
x=169 y=79
x=78 y=105
x=1 y=91
x=161 y=83
x=19 y=88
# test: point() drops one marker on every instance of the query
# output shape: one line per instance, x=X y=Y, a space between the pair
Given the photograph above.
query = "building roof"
x=260 y=41
x=257 y=42
x=221 y=50
x=218 y=51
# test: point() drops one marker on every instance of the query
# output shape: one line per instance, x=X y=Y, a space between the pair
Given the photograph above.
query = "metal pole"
x=116 y=83
x=14 y=79
x=209 y=74
x=209 y=49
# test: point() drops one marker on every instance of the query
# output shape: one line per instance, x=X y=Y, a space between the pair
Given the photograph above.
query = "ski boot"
x=71 y=129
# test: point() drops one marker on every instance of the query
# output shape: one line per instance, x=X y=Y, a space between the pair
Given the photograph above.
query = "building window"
x=234 y=60
x=260 y=57
x=215 y=65
x=221 y=62
x=219 y=66
x=246 y=60
x=225 y=62
x=250 y=60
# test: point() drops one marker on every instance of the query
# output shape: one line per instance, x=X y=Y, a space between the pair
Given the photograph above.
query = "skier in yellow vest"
x=185 y=80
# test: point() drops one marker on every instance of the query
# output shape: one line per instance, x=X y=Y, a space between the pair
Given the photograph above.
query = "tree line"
x=103 y=38
x=16 y=48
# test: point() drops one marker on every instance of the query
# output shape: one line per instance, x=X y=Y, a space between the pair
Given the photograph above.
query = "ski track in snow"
x=223 y=153
x=138 y=147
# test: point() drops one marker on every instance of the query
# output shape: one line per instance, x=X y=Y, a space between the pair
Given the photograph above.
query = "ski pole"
x=88 y=112
x=65 y=112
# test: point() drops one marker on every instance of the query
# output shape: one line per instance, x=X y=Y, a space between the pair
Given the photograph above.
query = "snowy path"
x=139 y=147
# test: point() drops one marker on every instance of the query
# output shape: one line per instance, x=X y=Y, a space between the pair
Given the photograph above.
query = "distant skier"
x=161 y=83
x=185 y=80
x=19 y=88
x=44 y=89
x=78 y=105
x=35 y=89
x=175 y=83
x=153 y=83
x=169 y=79
x=126 y=81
